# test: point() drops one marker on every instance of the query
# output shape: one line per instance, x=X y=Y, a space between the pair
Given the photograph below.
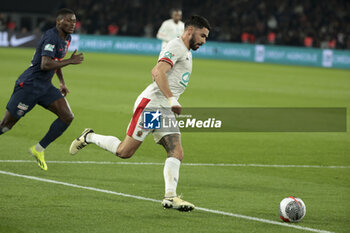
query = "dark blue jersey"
x=51 y=45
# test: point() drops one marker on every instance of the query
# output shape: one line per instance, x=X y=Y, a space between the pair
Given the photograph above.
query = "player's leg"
x=7 y=122
x=21 y=102
x=128 y=147
x=172 y=144
x=54 y=101
x=61 y=108
x=124 y=149
x=23 y=99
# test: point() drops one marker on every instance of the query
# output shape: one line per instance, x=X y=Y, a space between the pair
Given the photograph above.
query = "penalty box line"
x=184 y=164
x=158 y=201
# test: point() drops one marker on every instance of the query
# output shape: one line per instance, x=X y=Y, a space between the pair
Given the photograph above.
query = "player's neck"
x=61 y=33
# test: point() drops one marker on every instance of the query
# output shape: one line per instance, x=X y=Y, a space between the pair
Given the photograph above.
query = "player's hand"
x=175 y=105
x=76 y=58
x=64 y=90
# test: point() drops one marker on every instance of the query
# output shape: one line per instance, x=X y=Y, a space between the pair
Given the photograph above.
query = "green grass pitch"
x=103 y=91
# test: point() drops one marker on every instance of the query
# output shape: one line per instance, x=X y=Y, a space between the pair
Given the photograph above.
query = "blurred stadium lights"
x=310 y=23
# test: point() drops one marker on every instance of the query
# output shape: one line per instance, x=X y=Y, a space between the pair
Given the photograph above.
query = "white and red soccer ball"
x=292 y=209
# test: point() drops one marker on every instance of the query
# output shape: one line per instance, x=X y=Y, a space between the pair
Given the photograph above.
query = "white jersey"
x=169 y=31
x=180 y=59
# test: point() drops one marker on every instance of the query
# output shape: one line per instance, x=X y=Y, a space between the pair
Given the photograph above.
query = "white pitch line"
x=183 y=164
x=158 y=201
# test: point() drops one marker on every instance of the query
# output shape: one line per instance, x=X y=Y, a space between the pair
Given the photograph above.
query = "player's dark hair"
x=63 y=12
x=198 y=22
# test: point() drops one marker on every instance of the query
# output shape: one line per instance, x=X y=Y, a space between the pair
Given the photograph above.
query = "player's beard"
x=193 y=44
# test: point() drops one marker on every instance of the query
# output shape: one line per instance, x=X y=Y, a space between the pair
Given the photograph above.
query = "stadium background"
x=260 y=33
x=312 y=23
x=257 y=169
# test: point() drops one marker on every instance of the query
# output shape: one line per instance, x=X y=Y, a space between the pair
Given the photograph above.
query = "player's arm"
x=64 y=90
x=48 y=63
x=159 y=76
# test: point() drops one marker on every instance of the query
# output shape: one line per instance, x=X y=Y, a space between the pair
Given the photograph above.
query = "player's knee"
x=124 y=153
x=68 y=118
x=178 y=153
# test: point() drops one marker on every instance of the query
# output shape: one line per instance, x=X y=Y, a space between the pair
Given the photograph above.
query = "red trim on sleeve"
x=68 y=43
x=142 y=105
x=167 y=60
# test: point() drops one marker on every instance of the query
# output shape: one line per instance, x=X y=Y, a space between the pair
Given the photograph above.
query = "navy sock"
x=56 y=129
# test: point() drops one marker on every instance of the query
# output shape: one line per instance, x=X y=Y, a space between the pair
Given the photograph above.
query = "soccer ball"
x=292 y=209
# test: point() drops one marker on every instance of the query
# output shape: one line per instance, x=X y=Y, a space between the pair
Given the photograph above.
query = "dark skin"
x=65 y=25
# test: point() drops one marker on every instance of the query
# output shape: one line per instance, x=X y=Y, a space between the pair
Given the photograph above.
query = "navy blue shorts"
x=25 y=97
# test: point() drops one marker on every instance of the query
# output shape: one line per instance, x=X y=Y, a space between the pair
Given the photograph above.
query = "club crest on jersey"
x=49 y=47
x=139 y=133
x=185 y=79
x=169 y=55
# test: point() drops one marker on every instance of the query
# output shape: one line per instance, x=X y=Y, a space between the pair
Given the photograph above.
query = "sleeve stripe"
x=167 y=60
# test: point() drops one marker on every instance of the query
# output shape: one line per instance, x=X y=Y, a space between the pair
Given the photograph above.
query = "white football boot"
x=177 y=203
x=80 y=142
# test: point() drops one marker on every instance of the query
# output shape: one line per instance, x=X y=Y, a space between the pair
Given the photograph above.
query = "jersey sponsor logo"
x=185 y=79
x=169 y=55
x=49 y=47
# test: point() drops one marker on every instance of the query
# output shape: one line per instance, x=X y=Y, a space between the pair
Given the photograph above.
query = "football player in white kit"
x=171 y=28
x=170 y=78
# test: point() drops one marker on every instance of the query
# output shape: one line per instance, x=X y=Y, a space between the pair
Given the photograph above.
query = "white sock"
x=171 y=176
x=109 y=143
x=39 y=148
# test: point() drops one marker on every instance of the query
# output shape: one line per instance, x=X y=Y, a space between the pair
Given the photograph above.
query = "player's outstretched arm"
x=159 y=76
x=47 y=63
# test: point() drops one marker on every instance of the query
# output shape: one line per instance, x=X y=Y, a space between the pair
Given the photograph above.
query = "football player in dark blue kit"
x=34 y=85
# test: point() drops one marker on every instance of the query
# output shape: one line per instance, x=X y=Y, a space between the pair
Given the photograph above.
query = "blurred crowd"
x=309 y=23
